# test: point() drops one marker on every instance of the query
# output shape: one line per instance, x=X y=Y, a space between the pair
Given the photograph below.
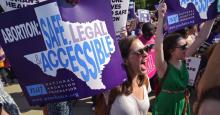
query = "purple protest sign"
x=62 y=53
x=182 y=13
x=131 y=11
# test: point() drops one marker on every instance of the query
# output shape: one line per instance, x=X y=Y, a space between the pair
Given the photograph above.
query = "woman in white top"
x=131 y=98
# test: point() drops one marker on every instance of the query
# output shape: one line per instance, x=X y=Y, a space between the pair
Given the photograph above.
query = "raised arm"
x=202 y=36
x=160 y=62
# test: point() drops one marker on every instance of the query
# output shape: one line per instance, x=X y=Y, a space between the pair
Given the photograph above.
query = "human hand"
x=162 y=10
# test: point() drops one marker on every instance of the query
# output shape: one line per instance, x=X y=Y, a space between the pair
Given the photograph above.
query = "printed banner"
x=182 y=13
x=9 y=5
x=131 y=11
x=192 y=64
x=120 y=14
x=144 y=15
x=58 y=55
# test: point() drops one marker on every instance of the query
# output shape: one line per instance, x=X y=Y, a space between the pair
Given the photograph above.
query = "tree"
x=145 y=4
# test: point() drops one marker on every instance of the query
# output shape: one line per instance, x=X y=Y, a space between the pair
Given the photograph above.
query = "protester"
x=132 y=96
x=208 y=99
x=148 y=38
x=131 y=26
x=209 y=103
x=171 y=68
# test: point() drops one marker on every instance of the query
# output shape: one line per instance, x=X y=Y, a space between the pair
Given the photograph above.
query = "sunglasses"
x=145 y=49
x=182 y=47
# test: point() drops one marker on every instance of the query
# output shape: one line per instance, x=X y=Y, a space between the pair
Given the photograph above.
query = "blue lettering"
x=72 y=58
x=100 y=54
x=96 y=60
x=50 y=54
x=61 y=53
x=52 y=34
x=108 y=41
x=46 y=64
x=103 y=45
x=43 y=27
x=203 y=6
x=78 y=50
x=88 y=49
x=59 y=29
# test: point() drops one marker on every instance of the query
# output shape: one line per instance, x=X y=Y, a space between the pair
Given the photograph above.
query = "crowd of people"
x=169 y=84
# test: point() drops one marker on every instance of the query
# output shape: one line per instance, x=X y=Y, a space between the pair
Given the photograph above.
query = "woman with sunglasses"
x=171 y=52
x=131 y=98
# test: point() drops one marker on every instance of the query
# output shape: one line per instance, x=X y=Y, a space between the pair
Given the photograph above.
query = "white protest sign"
x=9 y=5
x=192 y=64
x=144 y=15
x=119 y=14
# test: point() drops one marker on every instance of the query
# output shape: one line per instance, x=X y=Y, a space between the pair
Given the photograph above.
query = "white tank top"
x=130 y=105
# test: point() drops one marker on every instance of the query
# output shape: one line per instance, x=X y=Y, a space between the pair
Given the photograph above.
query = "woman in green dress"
x=171 y=52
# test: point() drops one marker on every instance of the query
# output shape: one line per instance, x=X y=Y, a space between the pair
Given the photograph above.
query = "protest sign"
x=150 y=65
x=9 y=5
x=144 y=15
x=58 y=57
x=120 y=14
x=131 y=11
x=192 y=64
x=182 y=13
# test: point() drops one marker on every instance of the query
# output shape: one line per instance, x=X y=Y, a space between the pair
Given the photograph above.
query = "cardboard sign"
x=119 y=14
x=192 y=64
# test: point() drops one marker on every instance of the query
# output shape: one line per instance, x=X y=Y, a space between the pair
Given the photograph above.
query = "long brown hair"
x=124 y=45
x=126 y=87
x=169 y=44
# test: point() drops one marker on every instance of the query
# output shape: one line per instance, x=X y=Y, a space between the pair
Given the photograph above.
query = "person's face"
x=137 y=58
x=180 y=50
x=209 y=107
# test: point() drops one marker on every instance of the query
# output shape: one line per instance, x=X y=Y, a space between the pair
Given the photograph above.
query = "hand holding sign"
x=162 y=10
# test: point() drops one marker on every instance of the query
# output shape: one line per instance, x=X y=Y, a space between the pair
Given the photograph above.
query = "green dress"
x=172 y=103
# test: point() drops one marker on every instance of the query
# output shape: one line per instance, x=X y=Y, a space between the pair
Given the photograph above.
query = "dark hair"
x=169 y=44
x=126 y=87
x=124 y=45
x=212 y=93
x=147 y=29
x=183 y=32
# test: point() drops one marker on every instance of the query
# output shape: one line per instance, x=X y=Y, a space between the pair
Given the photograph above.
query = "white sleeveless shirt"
x=130 y=105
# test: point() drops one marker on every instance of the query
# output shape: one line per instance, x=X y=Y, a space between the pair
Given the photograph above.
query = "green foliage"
x=145 y=4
